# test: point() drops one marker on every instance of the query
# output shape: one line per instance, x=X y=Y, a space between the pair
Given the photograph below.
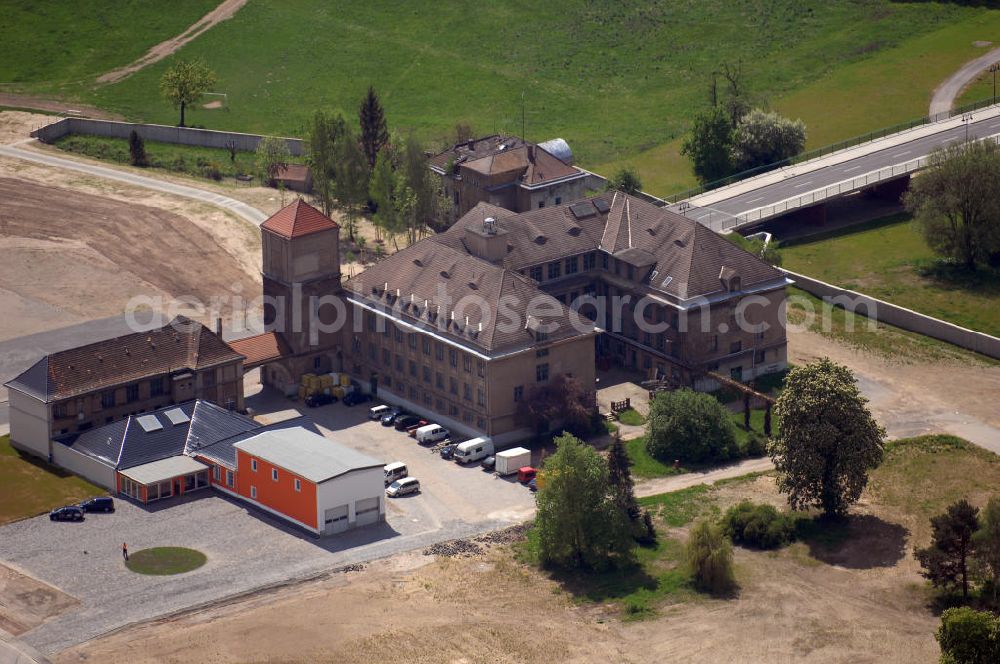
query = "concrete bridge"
x=882 y=166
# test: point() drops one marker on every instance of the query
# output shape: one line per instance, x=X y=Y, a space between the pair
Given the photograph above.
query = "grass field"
x=889 y=259
x=619 y=80
x=165 y=560
x=980 y=88
x=61 y=47
x=29 y=486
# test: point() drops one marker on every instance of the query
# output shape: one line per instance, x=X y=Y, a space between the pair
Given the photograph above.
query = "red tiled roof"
x=293 y=172
x=298 y=219
x=261 y=349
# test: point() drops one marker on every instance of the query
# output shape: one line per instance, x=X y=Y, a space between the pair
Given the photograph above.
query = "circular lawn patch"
x=165 y=560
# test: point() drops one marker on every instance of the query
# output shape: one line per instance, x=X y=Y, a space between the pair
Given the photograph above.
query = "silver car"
x=402 y=487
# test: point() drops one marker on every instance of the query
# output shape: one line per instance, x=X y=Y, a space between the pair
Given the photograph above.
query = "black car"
x=448 y=451
x=320 y=399
x=406 y=421
x=68 y=513
x=489 y=463
x=390 y=418
x=99 y=504
x=356 y=397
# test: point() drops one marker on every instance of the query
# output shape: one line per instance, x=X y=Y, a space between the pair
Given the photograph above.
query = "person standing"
x=125 y=551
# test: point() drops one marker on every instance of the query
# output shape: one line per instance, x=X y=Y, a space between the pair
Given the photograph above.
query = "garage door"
x=335 y=520
x=366 y=511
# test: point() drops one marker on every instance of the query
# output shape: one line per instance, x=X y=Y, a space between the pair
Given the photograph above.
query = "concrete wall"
x=348 y=489
x=29 y=424
x=85 y=466
x=901 y=317
x=161 y=133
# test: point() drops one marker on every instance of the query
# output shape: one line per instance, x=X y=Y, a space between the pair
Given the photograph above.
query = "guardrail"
x=835 y=147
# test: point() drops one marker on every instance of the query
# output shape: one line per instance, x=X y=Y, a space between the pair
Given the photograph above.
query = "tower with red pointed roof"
x=300 y=249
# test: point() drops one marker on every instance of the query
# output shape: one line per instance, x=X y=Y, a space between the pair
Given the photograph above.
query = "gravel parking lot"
x=246 y=547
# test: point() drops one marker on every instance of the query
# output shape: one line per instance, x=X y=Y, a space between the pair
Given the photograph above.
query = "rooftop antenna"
x=523 y=137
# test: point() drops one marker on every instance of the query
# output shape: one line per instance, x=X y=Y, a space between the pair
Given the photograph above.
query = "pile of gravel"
x=454 y=548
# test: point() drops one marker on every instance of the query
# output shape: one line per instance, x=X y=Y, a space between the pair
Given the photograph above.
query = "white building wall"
x=85 y=466
x=347 y=490
x=29 y=424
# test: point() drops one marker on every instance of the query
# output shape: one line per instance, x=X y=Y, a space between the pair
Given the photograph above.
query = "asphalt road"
x=794 y=185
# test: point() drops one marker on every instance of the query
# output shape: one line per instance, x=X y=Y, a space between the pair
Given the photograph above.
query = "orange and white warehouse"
x=316 y=483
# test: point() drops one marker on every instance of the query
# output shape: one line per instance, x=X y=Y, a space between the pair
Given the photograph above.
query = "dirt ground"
x=163 y=49
x=850 y=606
x=26 y=603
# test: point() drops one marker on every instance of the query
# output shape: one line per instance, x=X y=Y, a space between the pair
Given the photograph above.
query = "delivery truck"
x=510 y=460
x=473 y=450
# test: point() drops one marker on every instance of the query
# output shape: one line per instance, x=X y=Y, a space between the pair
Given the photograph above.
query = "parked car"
x=68 y=513
x=448 y=451
x=431 y=433
x=533 y=484
x=389 y=418
x=489 y=463
x=403 y=487
x=314 y=400
x=376 y=412
x=526 y=474
x=404 y=422
x=394 y=471
x=99 y=504
x=355 y=397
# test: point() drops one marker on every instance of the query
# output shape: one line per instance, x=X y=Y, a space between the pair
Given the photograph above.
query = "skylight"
x=149 y=423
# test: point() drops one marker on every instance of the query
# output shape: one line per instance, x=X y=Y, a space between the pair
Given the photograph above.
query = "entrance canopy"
x=164 y=469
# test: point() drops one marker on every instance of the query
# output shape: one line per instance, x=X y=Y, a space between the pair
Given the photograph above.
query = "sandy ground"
x=27 y=603
x=852 y=606
x=62 y=233
x=224 y=11
x=54 y=105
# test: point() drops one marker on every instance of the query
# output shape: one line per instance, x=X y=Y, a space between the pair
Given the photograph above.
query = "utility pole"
x=994 y=68
x=523 y=138
x=966 y=119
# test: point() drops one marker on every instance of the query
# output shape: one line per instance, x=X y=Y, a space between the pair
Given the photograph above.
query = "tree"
x=185 y=83
x=986 y=545
x=626 y=179
x=946 y=561
x=272 y=157
x=967 y=636
x=323 y=137
x=709 y=554
x=579 y=525
x=563 y=400
x=421 y=182
x=764 y=137
x=352 y=180
x=137 y=149
x=374 y=135
x=691 y=426
x=620 y=477
x=955 y=205
x=827 y=439
x=383 y=189
x=709 y=146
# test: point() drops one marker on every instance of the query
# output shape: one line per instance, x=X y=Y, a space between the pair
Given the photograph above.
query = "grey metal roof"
x=211 y=423
x=306 y=454
x=224 y=452
x=33 y=381
x=103 y=444
x=164 y=469
x=141 y=446
x=558 y=148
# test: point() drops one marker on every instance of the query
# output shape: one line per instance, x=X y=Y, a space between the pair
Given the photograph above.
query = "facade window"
x=439 y=405
x=399 y=336
x=399 y=363
x=229 y=478
x=571 y=265
x=536 y=273
x=427 y=346
x=208 y=379
x=413 y=392
x=413 y=368
x=589 y=260
x=519 y=393
x=631 y=272
x=388 y=380
x=413 y=340
x=60 y=410
x=736 y=347
x=554 y=269
x=558 y=200
x=542 y=352
x=317 y=362
x=467 y=363
x=253 y=465
x=298 y=484
x=427 y=374
x=439 y=351
x=386 y=357
x=439 y=380
x=466 y=391
x=541 y=204
x=453 y=385
x=253 y=492
x=541 y=372
x=370 y=321
x=480 y=368
x=453 y=410
x=715 y=342
x=761 y=356
x=156 y=387
x=481 y=423
x=131 y=393
x=108 y=399
x=480 y=397
x=453 y=357
x=372 y=352
x=356 y=344
x=216 y=473
x=274 y=474
x=604 y=261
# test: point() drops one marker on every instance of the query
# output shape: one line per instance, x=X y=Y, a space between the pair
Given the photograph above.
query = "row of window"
x=427 y=346
x=274 y=478
x=567 y=266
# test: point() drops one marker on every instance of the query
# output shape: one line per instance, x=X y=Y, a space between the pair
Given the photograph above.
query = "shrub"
x=755 y=446
x=211 y=170
x=967 y=636
x=137 y=149
x=690 y=426
x=179 y=164
x=710 y=557
x=758 y=526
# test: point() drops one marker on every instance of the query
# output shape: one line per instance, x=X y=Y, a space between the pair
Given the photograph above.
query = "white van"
x=473 y=450
x=376 y=412
x=431 y=433
x=394 y=471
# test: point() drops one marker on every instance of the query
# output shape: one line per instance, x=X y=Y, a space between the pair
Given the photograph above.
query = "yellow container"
x=345 y=380
x=326 y=380
x=338 y=392
x=307 y=379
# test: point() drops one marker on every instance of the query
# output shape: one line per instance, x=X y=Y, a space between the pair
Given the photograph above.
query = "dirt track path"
x=945 y=94
x=224 y=11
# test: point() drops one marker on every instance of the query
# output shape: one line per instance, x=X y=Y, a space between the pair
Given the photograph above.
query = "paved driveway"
x=246 y=548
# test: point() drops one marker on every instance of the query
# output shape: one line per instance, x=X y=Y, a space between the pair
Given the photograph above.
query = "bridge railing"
x=835 y=147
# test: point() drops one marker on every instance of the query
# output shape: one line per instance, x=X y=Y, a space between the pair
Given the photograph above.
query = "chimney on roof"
x=218 y=325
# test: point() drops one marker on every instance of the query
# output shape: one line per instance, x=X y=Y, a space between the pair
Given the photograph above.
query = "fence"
x=907 y=319
x=836 y=147
x=206 y=138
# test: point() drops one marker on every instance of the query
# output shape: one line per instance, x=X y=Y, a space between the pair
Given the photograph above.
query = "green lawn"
x=164 y=560
x=60 y=47
x=29 y=486
x=616 y=79
x=889 y=259
x=631 y=417
x=980 y=88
